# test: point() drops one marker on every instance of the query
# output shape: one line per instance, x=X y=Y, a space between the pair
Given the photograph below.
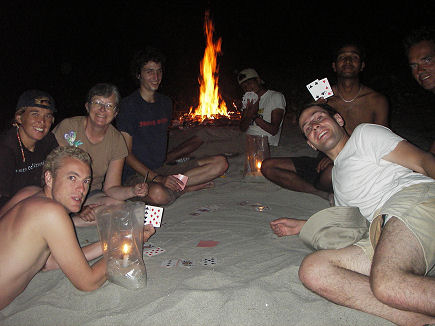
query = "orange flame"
x=211 y=104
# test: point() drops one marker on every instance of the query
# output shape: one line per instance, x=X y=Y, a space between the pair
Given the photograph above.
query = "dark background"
x=66 y=48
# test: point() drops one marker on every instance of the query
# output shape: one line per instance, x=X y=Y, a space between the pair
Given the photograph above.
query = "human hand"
x=252 y=108
x=323 y=164
x=140 y=189
x=286 y=226
x=172 y=183
x=88 y=212
x=148 y=231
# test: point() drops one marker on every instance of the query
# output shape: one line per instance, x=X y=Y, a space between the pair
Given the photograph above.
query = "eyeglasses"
x=106 y=106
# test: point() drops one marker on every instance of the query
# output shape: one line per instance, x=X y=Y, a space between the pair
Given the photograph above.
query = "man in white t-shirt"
x=262 y=116
x=388 y=273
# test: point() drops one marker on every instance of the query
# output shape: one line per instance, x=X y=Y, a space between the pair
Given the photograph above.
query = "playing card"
x=207 y=243
x=186 y=263
x=314 y=88
x=325 y=88
x=169 y=263
x=249 y=97
x=183 y=179
x=153 y=215
x=153 y=251
x=211 y=261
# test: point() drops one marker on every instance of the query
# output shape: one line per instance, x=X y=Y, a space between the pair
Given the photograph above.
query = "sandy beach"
x=254 y=280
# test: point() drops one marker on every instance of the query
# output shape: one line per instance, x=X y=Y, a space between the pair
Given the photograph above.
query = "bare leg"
x=283 y=172
x=209 y=169
x=341 y=277
x=397 y=275
x=184 y=149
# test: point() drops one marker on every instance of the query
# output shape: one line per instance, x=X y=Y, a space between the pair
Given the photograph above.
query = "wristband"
x=155 y=177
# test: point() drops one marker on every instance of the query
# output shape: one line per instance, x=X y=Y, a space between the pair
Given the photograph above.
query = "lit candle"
x=125 y=251
x=259 y=165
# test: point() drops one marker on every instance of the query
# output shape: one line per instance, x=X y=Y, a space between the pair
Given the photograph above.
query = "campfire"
x=212 y=107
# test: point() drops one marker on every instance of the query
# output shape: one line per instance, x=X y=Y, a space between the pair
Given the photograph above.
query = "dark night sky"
x=67 y=48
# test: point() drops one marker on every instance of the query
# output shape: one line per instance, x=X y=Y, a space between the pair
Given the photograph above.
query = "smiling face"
x=150 y=76
x=323 y=132
x=421 y=57
x=70 y=183
x=102 y=110
x=348 y=63
x=35 y=123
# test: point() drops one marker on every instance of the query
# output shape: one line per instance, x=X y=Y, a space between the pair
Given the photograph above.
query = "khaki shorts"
x=415 y=207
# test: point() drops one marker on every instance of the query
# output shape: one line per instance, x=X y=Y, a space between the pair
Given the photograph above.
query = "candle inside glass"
x=125 y=251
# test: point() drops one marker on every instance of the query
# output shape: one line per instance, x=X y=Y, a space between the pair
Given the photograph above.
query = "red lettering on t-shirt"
x=152 y=122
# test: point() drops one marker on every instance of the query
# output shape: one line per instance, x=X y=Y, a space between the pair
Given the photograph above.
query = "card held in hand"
x=314 y=89
x=182 y=178
x=325 y=88
x=153 y=215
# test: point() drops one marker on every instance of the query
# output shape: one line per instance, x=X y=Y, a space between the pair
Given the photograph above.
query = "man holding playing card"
x=389 y=270
x=420 y=49
x=355 y=102
x=264 y=109
x=143 y=120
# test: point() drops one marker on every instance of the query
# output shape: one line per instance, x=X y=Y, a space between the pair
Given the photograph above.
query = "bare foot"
x=201 y=186
x=286 y=226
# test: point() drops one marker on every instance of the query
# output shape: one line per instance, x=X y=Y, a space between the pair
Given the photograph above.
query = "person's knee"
x=266 y=166
x=219 y=164
x=310 y=270
x=159 y=195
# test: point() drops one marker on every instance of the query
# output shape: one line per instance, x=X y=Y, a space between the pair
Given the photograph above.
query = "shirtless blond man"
x=356 y=103
x=36 y=232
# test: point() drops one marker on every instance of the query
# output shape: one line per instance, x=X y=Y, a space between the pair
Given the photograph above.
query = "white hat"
x=246 y=74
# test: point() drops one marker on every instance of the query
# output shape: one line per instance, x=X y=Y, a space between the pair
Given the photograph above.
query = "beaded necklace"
x=21 y=145
x=349 y=101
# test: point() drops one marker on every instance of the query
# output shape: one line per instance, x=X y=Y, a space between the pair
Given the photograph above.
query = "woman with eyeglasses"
x=95 y=134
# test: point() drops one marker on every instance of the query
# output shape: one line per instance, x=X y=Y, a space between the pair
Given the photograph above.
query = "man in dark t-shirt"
x=143 y=120
x=24 y=147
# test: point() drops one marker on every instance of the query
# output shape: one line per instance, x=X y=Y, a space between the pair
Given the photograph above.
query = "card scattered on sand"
x=207 y=243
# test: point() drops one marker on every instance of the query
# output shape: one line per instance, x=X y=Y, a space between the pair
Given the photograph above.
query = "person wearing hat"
x=26 y=144
x=262 y=116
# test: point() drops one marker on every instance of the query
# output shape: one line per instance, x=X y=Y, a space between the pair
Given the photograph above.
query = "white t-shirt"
x=269 y=101
x=361 y=178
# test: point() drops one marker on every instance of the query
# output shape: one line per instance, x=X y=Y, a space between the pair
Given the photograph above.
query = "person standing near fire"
x=143 y=120
x=264 y=110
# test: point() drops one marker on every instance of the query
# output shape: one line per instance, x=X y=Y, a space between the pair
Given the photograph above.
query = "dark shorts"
x=306 y=167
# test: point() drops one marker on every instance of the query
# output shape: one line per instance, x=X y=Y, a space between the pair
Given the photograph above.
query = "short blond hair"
x=53 y=162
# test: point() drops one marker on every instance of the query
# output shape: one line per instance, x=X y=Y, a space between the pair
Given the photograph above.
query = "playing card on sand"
x=186 y=263
x=148 y=245
x=153 y=251
x=169 y=263
x=314 y=88
x=211 y=261
x=153 y=215
x=182 y=178
x=325 y=88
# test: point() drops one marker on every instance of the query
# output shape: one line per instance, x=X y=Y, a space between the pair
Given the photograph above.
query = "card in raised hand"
x=314 y=88
x=153 y=215
x=325 y=88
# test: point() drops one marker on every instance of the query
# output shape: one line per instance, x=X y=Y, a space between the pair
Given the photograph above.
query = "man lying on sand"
x=388 y=276
x=37 y=233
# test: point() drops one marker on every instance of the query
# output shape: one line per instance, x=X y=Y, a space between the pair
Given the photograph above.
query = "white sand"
x=255 y=280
